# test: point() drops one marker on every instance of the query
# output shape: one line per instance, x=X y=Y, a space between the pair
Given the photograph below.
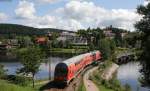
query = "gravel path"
x=89 y=85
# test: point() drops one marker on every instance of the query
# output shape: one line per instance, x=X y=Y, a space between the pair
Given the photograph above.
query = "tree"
x=31 y=59
x=93 y=36
x=104 y=47
x=144 y=26
x=2 y=71
x=112 y=46
x=132 y=39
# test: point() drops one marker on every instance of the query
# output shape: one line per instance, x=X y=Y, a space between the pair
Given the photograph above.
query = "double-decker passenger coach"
x=70 y=68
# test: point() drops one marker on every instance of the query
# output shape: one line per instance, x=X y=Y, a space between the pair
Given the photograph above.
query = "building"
x=41 y=40
x=73 y=38
x=79 y=41
x=123 y=34
x=109 y=34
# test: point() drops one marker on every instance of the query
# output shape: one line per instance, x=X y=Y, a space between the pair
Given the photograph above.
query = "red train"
x=69 y=69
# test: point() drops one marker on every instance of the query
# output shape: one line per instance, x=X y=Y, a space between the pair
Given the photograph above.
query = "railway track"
x=73 y=86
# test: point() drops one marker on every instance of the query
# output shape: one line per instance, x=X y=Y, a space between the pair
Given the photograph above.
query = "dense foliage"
x=144 y=27
x=97 y=41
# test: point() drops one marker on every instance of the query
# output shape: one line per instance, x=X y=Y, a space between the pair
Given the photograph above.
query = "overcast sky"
x=70 y=14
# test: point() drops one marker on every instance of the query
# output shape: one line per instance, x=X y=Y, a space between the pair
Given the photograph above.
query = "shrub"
x=19 y=80
x=2 y=71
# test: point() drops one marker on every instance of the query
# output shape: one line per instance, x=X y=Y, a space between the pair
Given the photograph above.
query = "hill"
x=26 y=30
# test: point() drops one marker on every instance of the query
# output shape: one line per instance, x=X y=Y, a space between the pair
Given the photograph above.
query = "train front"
x=61 y=72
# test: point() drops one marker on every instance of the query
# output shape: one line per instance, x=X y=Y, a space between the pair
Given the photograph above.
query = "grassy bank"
x=104 y=85
x=11 y=86
x=63 y=50
x=81 y=86
x=6 y=86
x=66 y=52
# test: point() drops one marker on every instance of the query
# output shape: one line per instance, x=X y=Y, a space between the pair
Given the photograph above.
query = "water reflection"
x=44 y=68
x=129 y=74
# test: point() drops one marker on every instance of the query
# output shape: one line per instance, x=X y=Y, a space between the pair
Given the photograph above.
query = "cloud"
x=76 y=14
x=25 y=10
x=146 y=2
x=47 y=1
x=87 y=13
x=54 y=1
x=3 y=17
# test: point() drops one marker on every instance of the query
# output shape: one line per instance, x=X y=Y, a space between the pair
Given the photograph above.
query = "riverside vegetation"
x=107 y=85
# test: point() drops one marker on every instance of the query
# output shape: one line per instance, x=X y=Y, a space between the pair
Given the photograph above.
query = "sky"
x=71 y=14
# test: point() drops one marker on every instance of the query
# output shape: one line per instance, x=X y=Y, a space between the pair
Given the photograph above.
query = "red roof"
x=41 y=40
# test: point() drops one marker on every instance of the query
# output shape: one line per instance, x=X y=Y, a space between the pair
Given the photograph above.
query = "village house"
x=109 y=34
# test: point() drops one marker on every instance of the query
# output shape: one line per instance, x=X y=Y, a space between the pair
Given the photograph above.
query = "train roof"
x=77 y=58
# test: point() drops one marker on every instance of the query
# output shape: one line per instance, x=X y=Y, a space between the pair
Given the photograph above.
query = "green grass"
x=80 y=47
x=81 y=87
x=63 y=50
x=103 y=88
x=5 y=86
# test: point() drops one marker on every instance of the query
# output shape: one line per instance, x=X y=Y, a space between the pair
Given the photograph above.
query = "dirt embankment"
x=108 y=73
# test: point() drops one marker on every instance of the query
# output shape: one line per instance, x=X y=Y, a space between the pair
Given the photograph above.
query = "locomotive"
x=70 y=68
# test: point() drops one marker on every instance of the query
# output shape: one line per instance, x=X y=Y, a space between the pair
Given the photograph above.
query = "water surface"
x=129 y=74
x=44 y=68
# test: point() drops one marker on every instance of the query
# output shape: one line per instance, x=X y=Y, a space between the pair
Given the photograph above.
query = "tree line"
x=15 y=29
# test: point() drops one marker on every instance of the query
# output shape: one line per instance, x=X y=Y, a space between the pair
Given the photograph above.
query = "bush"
x=127 y=87
x=2 y=71
x=19 y=80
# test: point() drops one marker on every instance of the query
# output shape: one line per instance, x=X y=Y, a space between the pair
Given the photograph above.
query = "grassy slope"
x=96 y=80
x=101 y=87
x=5 y=86
x=81 y=87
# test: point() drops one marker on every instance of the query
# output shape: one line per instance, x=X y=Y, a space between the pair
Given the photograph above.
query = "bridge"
x=126 y=57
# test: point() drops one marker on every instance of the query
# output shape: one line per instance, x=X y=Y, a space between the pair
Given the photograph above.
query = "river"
x=44 y=68
x=129 y=74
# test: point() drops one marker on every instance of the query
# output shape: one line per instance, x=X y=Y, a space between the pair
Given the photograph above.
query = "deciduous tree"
x=144 y=26
x=31 y=59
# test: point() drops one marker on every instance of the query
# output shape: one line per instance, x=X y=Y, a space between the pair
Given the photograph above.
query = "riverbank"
x=107 y=83
x=108 y=72
x=55 y=52
x=66 y=52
